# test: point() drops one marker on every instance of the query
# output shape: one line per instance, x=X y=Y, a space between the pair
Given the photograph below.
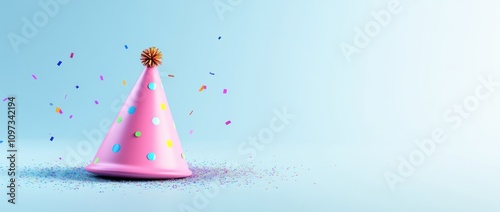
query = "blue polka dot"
x=156 y=121
x=116 y=148
x=152 y=86
x=151 y=156
x=131 y=110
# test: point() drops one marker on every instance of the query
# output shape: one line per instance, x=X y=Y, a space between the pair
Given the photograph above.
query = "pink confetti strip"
x=96 y=102
x=224 y=91
x=60 y=112
x=205 y=87
x=190 y=131
x=71 y=116
x=71 y=55
x=34 y=77
x=102 y=78
x=228 y=122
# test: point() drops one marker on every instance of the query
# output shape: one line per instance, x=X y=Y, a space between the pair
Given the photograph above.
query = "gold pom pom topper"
x=151 y=57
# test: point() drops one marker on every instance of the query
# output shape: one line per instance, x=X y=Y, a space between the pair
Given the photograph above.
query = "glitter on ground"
x=102 y=78
x=71 y=55
x=205 y=174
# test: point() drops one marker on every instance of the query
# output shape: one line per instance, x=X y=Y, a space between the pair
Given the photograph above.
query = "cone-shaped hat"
x=143 y=142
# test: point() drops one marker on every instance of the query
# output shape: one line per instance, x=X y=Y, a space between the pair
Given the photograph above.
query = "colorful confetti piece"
x=191 y=112
x=5 y=99
x=34 y=77
x=96 y=102
x=51 y=138
x=71 y=116
x=77 y=87
x=202 y=88
x=58 y=109
x=1 y=141
x=220 y=37
x=211 y=73
x=59 y=63
x=124 y=82
x=224 y=91
x=126 y=47
x=190 y=131
x=102 y=78
x=51 y=104
x=65 y=96
x=71 y=55
x=228 y=122
x=170 y=75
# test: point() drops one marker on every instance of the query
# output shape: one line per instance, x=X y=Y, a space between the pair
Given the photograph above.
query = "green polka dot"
x=96 y=160
x=119 y=120
x=137 y=134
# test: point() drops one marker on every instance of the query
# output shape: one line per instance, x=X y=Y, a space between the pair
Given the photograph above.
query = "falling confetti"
x=71 y=55
x=220 y=37
x=170 y=75
x=51 y=104
x=65 y=96
x=59 y=63
x=1 y=141
x=202 y=88
x=58 y=109
x=191 y=112
x=224 y=91
x=228 y=122
x=96 y=102
x=51 y=138
x=34 y=77
x=77 y=87
x=211 y=73
x=190 y=131
x=102 y=78
x=60 y=112
x=5 y=99
x=126 y=47
x=124 y=82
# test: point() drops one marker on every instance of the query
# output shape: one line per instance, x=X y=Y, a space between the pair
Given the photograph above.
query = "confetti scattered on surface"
x=170 y=75
x=5 y=99
x=211 y=73
x=126 y=47
x=96 y=102
x=228 y=122
x=71 y=55
x=191 y=113
x=65 y=96
x=220 y=37
x=190 y=131
x=34 y=77
x=207 y=175
x=205 y=87
x=224 y=91
x=51 y=138
x=71 y=116
x=59 y=63
x=124 y=82
x=102 y=78
x=77 y=87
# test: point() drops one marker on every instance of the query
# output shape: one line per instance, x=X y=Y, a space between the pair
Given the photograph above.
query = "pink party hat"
x=143 y=142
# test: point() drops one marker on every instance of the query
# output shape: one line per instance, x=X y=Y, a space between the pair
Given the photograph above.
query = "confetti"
x=77 y=87
x=51 y=138
x=124 y=82
x=34 y=77
x=65 y=96
x=191 y=112
x=202 y=88
x=228 y=122
x=220 y=37
x=71 y=55
x=211 y=73
x=102 y=78
x=96 y=102
x=51 y=104
x=205 y=87
x=60 y=158
x=5 y=99
x=126 y=47
x=59 y=63
x=170 y=75
x=71 y=116
x=1 y=141
x=190 y=131
x=224 y=91
x=58 y=109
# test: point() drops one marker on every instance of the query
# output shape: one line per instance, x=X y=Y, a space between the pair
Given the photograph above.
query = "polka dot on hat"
x=119 y=120
x=116 y=148
x=96 y=160
x=131 y=110
x=169 y=143
x=152 y=86
x=163 y=106
x=151 y=156
x=156 y=120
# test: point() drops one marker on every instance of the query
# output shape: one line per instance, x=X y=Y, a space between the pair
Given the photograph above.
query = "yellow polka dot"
x=163 y=106
x=169 y=143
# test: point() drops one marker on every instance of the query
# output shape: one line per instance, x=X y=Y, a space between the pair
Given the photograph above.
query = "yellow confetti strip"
x=124 y=82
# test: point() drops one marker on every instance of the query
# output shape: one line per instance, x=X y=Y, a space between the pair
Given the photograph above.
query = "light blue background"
x=352 y=120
